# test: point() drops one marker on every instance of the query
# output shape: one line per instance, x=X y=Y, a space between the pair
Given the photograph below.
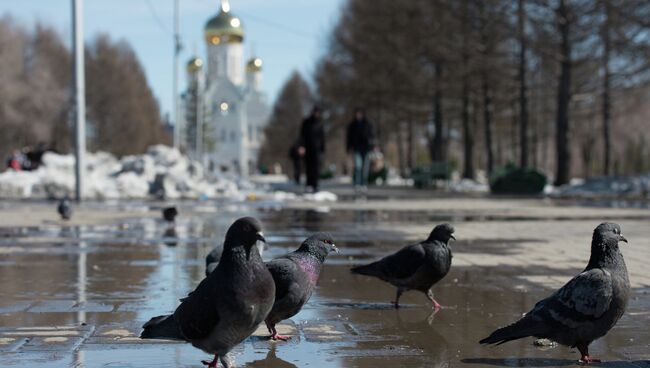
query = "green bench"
x=427 y=176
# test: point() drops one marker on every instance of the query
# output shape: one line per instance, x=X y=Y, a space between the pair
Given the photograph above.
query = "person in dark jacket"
x=296 y=153
x=312 y=135
x=359 y=143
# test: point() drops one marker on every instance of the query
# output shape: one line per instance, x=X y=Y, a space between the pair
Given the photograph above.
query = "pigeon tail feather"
x=368 y=270
x=162 y=327
x=523 y=328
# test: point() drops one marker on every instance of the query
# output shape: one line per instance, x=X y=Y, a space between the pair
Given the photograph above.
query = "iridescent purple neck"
x=311 y=267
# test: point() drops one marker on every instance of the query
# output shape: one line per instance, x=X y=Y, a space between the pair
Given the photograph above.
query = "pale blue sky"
x=287 y=34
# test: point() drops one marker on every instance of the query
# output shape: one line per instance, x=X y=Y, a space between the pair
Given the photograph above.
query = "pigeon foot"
x=276 y=337
x=274 y=333
x=213 y=363
x=586 y=359
x=395 y=303
x=584 y=352
x=436 y=305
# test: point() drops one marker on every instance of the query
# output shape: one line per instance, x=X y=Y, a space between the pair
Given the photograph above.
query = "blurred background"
x=536 y=92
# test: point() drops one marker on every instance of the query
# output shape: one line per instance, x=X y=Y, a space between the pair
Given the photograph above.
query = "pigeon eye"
x=328 y=241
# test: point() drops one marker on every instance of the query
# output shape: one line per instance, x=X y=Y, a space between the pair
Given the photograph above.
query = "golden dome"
x=224 y=27
x=254 y=65
x=194 y=65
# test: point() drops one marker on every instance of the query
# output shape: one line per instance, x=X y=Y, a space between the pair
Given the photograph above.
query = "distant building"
x=225 y=109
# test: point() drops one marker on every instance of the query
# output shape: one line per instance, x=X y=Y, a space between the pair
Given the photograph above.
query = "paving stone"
x=325 y=331
x=11 y=344
x=92 y=307
x=52 y=343
x=260 y=338
x=53 y=306
x=15 y=307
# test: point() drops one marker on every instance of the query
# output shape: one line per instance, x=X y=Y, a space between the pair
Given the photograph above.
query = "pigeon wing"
x=583 y=299
x=282 y=270
x=214 y=256
x=197 y=314
x=404 y=263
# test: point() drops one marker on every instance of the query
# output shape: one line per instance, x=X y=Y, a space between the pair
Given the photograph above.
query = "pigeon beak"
x=335 y=249
x=260 y=236
x=622 y=238
x=452 y=236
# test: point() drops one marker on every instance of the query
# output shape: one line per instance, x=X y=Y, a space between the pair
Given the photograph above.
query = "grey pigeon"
x=229 y=304
x=65 y=209
x=212 y=259
x=295 y=276
x=586 y=307
x=417 y=266
x=169 y=214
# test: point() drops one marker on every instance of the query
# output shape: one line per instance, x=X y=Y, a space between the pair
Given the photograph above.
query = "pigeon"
x=170 y=237
x=586 y=307
x=295 y=276
x=229 y=304
x=417 y=266
x=212 y=259
x=169 y=214
x=65 y=209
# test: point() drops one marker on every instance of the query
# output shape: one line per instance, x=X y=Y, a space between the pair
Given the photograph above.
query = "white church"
x=225 y=109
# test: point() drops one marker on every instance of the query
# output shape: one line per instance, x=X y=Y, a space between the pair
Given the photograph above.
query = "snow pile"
x=607 y=186
x=282 y=196
x=468 y=186
x=321 y=196
x=162 y=172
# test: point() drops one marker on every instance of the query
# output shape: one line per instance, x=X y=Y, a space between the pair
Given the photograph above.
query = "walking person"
x=360 y=138
x=296 y=154
x=312 y=135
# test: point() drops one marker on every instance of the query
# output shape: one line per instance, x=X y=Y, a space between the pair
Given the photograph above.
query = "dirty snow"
x=607 y=187
x=162 y=172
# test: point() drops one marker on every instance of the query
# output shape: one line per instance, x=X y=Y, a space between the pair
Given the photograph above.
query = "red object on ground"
x=14 y=164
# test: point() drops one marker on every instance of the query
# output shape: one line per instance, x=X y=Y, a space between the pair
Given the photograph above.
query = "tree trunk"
x=523 y=100
x=410 y=153
x=487 y=120
x=606 y=89
x=562 y=144
x=438 y=152
x=400 y=150
x=468 y=140
x=514 y=125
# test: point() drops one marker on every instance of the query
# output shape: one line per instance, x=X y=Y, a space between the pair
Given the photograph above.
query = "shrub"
x=515 y=180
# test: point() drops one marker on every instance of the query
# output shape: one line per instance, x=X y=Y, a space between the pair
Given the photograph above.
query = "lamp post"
x=79 y=97
x=177 y=50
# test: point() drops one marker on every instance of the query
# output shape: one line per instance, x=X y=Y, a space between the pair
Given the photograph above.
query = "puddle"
x=77 y=296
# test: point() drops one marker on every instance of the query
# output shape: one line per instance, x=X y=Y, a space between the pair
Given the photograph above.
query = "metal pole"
x=177 y=49
x=79 y=97
x=199 y=118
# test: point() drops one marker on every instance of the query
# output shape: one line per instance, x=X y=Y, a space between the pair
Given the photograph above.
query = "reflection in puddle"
x=103 y=282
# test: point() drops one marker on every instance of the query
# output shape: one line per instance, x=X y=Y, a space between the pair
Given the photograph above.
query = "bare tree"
x=421 y=66
x=122 y=110
x=523 y=92
x=564 y=19
x=293 y=102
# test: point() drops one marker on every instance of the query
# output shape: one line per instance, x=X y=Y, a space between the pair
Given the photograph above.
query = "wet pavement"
x=76 y=295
